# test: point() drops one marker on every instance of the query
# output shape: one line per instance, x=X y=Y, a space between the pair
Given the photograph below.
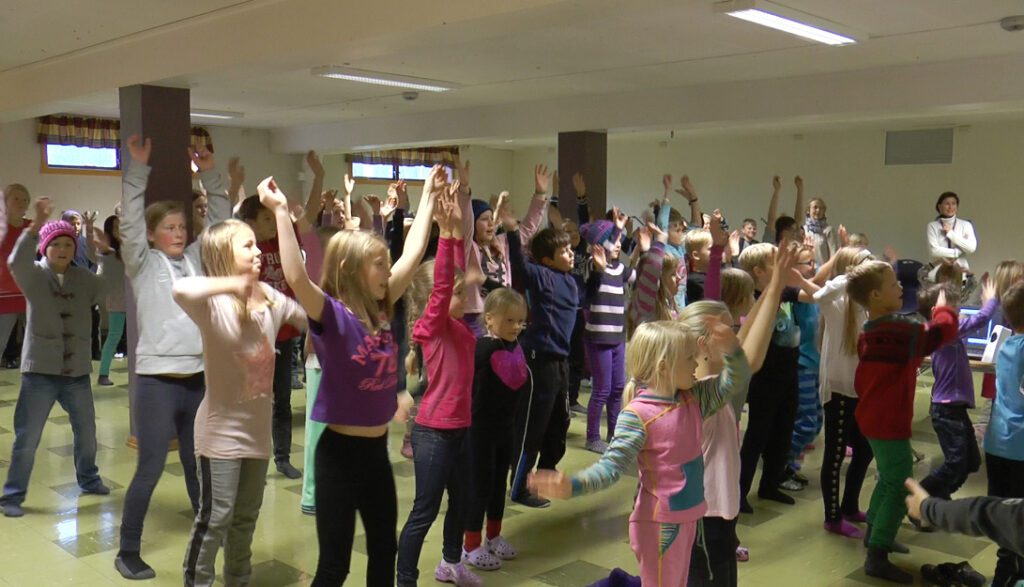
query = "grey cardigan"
x=59 y=318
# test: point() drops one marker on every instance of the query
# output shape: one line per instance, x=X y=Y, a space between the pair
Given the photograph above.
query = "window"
x=72 y=159
x=391 y=172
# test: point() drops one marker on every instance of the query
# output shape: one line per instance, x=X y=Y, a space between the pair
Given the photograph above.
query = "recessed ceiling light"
x=782 y=19
x=382 y=79
x=215 y=114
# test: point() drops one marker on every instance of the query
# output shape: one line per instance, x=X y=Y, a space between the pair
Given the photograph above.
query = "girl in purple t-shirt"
x=349 y=318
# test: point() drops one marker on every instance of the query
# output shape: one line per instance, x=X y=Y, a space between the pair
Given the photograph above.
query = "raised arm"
x=218 y=204
x=665 y=209
x=312 y=205
x=690 y=193
x=756 y=332
x=435 y=316
x=416 y=243
x=713 y=392
x=582 y=205
x=192 y=293
x=308 y=294
x=535 y=213
x=648 y=280
x=799 y=212
x=773 y=209
x=134 y=244
x=22 y=262
x=719 y=240
x=941 y=329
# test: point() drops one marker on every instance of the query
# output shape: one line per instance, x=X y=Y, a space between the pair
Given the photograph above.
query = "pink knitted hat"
x=54 y=229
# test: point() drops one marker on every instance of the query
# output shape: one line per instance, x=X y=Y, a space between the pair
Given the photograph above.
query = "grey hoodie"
x=169 y=341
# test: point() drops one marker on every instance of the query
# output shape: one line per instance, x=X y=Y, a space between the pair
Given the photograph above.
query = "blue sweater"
x=553 y=299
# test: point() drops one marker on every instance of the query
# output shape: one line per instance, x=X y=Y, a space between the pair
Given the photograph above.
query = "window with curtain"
x=407 y=164
x=80 y=144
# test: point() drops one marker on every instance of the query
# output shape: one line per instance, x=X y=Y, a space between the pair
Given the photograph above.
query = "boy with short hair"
x=773 y=389
x=1004 y=439
x=891 y=349
x=698 y=256
x=953 y=393
x=542 y=422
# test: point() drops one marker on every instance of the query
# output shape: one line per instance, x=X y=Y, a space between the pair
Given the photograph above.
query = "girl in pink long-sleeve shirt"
x=445 y=411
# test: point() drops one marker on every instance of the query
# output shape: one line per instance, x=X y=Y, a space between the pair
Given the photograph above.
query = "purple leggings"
x=607 y=378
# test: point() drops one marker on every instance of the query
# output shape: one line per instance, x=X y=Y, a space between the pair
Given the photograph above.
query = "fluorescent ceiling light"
x=770 y=17
x=216 y=114
x=382 y=79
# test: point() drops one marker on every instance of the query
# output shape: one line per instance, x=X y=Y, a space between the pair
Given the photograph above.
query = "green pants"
x=115 y=330
x=313 y=432
x=895 y=462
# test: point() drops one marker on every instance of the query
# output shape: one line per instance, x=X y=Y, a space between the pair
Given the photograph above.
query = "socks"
x=131 y=566
x=493 y=529
x=471 y=541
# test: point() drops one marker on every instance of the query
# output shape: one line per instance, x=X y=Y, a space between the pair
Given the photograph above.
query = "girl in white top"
x=842 y=321
x=238 y=318
x=950 y=239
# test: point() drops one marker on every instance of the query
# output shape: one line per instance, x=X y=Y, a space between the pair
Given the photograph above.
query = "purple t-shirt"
x=359 y=381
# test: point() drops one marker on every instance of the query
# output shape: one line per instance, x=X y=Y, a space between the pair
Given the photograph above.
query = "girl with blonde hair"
x=661 y=430
x=238 y=318
x=349 y=318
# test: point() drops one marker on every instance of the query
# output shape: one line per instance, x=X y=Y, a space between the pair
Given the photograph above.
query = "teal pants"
x=115 y=330
x=895 y=462
x=313 y=432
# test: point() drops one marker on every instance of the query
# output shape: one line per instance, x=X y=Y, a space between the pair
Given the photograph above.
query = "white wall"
x=19 y=162
x=890 y=204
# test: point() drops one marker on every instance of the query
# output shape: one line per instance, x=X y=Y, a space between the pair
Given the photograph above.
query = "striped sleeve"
x=648 y=282
x=626 y=445
x=713 y=392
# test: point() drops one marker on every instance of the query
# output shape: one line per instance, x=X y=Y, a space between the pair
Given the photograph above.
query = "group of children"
x=499 y=328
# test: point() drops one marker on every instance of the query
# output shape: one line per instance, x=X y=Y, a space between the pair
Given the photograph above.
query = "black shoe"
x=776 y=495
x=968 y=576
x=943 y=575
x=285 y=468
x=532 y=501
x=11 y=364
x=98 y=489
x=297 y=383
x=745 y=507
x=578 y=408
x=131 y=566
x=104 y=380
x=12 y=510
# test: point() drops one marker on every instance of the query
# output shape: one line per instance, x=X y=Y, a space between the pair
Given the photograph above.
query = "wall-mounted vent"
x=919 y=147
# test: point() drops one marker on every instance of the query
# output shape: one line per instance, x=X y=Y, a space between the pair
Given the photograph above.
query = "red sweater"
x=448 y=348
x=11 y=299
x=891 y=350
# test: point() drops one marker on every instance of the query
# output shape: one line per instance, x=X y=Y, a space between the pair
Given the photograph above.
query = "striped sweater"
x=644 y=306
x=606 y=303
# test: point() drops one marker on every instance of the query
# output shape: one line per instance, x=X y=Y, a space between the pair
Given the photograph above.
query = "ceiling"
x=503 y=54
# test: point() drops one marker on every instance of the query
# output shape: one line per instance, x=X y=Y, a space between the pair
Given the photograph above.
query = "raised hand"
x=314 y=163
x=140 y=150
x=373 y=201
x=799 y=182
x=101 y=241
x=643 y=238
x=721 y=336
x=549 y=484
x=541 y=179
x=389 y=206
x=658 y=234
x=350 y=184
x=844 y=236
x=579 y=185
x=940 y=300
x=988 y=288
x=89 y=217
x=620 y=218
x=666 y=183
x=600 y=258
x=507 y=216
x=689 y=192
x=734 y=242
x=203 y=158
x=328 y=199
x=236 y=173
x=719 y=237
x=776 y=183
x=44 y=209
x=890 y=254
x=271 y=196
x=462 y=173
x=785 y=262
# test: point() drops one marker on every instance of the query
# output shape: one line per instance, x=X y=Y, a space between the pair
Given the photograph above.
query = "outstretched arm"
x=690 y=193
x=308 y=294
x=773 y=209
x=312 y=206
x=419 y=233
x=799 y=210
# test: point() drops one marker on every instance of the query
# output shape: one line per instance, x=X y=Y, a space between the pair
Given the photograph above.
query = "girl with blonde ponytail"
x=661 y=430
x=843 y=321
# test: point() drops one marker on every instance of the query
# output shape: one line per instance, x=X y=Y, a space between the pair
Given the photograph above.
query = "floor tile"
x=573 y=574
x=68 y=450
x=102 y=540
x=72 y=490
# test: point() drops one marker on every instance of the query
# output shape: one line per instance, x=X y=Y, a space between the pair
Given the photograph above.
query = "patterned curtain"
x=425 y=156
x=79 y=131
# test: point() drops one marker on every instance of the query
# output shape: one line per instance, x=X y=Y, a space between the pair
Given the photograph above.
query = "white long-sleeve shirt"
x=956 y=245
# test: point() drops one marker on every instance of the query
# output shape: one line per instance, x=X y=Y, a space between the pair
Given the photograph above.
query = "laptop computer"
x=977 y=338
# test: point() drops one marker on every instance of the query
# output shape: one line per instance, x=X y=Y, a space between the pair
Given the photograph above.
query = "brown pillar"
x=583 y=152
x=162 y=115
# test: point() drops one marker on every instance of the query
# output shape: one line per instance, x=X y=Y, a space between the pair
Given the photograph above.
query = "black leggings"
x=490 y=457
x=769 y=436
x=713 y=563
x=1006 y=479
x=354 y=474
x=841 y=430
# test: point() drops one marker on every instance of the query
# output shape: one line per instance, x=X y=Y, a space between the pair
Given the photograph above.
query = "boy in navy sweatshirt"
x=543 y=420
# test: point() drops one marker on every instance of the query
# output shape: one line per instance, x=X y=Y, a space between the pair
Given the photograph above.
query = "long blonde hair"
x=345 y=257
x=217 y=254
x=846 y=258
x=737 y=290
x=1007 y=273
x=664 y=303
x=651 y=354
x=417 y=295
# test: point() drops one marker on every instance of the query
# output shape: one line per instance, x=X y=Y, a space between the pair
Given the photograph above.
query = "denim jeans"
x=36 y=399
x=959 y=450
x=441 y=462
x=281 y=427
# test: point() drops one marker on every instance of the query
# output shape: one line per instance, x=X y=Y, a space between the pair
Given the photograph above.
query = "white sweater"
x=956 y=245
x=837 y=368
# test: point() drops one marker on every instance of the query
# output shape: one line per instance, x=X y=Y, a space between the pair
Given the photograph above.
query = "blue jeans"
x=441 y=462
x=959 y=449
x=36 y=399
